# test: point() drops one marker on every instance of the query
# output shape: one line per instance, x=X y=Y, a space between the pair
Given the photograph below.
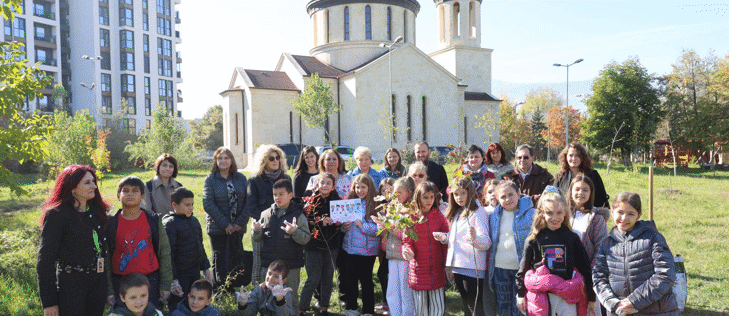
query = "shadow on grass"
x=704 y=278
x=701 y=312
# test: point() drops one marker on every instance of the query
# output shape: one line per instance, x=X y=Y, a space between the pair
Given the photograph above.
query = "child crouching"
x=270 y=298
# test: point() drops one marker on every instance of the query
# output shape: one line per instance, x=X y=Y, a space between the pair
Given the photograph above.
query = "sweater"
x=183 y=309
x=216 y=204
x=468 y=254
x=563 y=181
x=300 y=182
x=259 y=194
x=522 y=225
x=539 y=282
x=427 y=268
x=263 y=303
x=637 y=265
x=500 y=170
x=392 y=174
x=186 y=242
x=534 y=183
x=479 y=176
x=562 y=252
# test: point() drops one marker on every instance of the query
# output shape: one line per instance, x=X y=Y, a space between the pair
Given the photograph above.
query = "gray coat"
x=637 y=265
x=216 y=203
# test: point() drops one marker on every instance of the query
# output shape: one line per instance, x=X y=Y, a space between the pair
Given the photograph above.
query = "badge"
x=99 y=265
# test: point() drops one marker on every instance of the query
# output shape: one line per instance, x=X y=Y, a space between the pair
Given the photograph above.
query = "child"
x=383 y=271
x=510 y=224
x=197 y=302
x=489 y=200
x=586 y=221
x=323 y=248
x=426 y=255
x=185 y=235
x=137 y=243
x=270 y=298
x=134 y=293
x=282 y=236
x=361 y=245
x=553 y=243
x=634 y=246
x=467 y=242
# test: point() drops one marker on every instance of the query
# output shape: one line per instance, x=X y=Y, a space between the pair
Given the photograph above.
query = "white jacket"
x=463 y=253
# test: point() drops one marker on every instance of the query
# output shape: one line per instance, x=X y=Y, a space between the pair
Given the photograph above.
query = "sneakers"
x=352 y=312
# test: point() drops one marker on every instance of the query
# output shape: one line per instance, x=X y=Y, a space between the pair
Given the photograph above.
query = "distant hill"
x=517 y=91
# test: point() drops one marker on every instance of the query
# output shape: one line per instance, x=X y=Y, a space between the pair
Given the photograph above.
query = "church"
x=366 y=52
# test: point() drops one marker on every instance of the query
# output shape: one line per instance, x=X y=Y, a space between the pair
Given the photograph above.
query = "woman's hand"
x=53 y=310
x=237 y=228
x=625 y=307
x=407 y=253
x=256 y=225
x=229 y=229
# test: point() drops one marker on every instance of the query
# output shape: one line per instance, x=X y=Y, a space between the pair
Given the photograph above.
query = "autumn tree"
x=489 y=122
x=514 y=127
x=556 y=126
x=623 y=92
x=316 y=105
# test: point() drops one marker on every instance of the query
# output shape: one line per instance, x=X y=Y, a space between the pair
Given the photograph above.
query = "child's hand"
x=163 y=295
x=590 y=308
x=625 y=307
x=346 y=226
x=439 y=236
x=290 y=228
x=521 y=304
x=110 y=300
x=358 y=223
x=279 y=291
x=471 y=233
x=242 y=296
x=379 y=220
x=407 y=253
x=327 y=221
x=256 y=225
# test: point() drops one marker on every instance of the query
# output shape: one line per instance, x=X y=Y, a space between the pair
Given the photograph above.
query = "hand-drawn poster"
x=343 y=211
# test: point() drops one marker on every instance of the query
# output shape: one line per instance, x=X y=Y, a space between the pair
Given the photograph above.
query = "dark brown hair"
x=135 y=279
x=371 y=193
x=322 y=163
x=585 y=162
x=166 y=157
x=590 y=201
x=223 y=150
x=453 y=207
x=424 y=188
x=301 y=164
x=399 y=160
x=632 y=199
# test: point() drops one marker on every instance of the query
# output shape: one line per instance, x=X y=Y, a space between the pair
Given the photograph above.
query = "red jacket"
x=427 y=268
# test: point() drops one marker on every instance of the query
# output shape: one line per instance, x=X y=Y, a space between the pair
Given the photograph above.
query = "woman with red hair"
x=497 y=162
x=72 y=234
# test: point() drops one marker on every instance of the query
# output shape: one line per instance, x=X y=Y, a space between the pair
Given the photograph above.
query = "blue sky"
x=527 y=38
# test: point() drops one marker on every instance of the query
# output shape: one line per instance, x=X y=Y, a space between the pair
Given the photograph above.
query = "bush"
x=407 y=153
x=67 y=141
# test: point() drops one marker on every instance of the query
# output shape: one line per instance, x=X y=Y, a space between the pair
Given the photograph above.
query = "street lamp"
x=389 y=57
x=567 y=109
x=93 y=84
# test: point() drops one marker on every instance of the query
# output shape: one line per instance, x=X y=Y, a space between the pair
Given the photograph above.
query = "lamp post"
x=93 y=84
x=389 y=57
x=567 y=109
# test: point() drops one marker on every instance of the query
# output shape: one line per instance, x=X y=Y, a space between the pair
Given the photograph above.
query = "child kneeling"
x=270 y=297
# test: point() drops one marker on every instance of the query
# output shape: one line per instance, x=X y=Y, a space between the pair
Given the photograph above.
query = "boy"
x=134 y=293
x=198 y=301
x=282 y=238
x=137 y=243
x=185 y=234
x=270 y=298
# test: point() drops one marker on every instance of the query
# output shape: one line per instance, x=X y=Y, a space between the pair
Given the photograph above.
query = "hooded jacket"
x=637 y=265
x=522 y=227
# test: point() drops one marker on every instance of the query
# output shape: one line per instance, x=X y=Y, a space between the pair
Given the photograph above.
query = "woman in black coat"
x=573 y=160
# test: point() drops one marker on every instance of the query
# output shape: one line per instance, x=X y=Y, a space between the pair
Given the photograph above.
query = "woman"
x=418 y=171
x=573 y=160
x=392 y=168
x=331 y=161
x=363 y=157
x=224 y=196
x=157 y=190
x=305 y=169
x=72 y=225
x=497 y=162
x=476 y=166
x=269 y=166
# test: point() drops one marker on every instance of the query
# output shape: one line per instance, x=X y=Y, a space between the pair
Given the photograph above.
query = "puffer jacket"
x=217 y=206
x=522 y=227
x=637 y=265
x=427 y=268
x=186 y=243
x=540 y=281
x=259 y=194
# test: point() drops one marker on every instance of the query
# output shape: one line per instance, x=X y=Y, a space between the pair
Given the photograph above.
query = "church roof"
x=266 y=79
x=315 y=5
x=312 y=65
x=479 y=96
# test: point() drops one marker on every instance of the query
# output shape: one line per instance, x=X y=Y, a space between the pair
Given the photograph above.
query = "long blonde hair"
x=261 y=158
x=538 y=221
x=453 y=207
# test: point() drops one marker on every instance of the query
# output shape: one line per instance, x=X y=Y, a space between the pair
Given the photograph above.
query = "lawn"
x=691 y=210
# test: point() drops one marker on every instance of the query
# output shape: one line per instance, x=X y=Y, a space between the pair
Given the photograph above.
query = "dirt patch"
x=667 y=191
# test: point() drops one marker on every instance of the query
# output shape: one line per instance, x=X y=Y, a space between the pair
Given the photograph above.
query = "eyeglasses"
x=272 y=158
x=523 y=157
x=418 y=175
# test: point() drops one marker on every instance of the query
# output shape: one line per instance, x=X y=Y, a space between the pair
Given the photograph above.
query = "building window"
x=405 y=26
x=126 y=17
x=316 y=30
x=408 y=118
x=19 y=27
x=105 y=83
x=472 y=18
x=146 y=64
x=130 y=125
x=103 y=15
x=145 y=21
x=127 y=61
x=145 y=4
x=104 y=38
x=105 y=60
x=389 y=23
x=456 y=14
x=126 y=39
x=145 y=43
x=8 y=29
x=105 y=105
x=368 y=23
x=147 y=86
x=131 y=106
x=147 y=106
x=161 y=84
x=346 y=23
x=425 y=121
x=43 y=10
x=148 y=124
x=394 y=118
x=237 y=140
x=465 y=129
x=127 y=83
x=326 y=26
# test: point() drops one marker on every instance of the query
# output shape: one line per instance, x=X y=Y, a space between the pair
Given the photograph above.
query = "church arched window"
x=326 y=26
x=368 y=22
x=389 y=23
x=472 y=18
x=405 y=26
x=346 y=23
x=456 y=24
x=441 y=24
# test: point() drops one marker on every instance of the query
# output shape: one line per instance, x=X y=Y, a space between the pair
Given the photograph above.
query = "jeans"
x=505 y=281
x=319 y=270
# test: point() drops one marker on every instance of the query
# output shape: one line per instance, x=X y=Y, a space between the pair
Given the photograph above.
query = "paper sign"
x=343 y=211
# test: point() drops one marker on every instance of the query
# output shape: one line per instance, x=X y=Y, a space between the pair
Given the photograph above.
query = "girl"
x=399 y=296
x=386 y=186
x=392 y=167
x=383 y=271
x=489 y=200
x=585 y=220
x=323 y=248
x=425 y=255
x=475 y=164
x=510 y=224
x=467 y=242
x=361 y=245
x=634 y=271
x=553 y=243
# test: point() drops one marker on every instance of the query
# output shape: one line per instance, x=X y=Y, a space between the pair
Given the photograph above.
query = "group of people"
x=512 y=238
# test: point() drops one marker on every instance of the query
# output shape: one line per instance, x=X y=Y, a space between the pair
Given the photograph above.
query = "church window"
x=425 y=122
x=456 y=13
x=291 y=127
x=408 y=118
x=368 y=22
x=472 y=18
x=326 y=26
x=237 y=139
x=316 y=30
x=394 y=118
x=465 y=129
x=346 y=23
x=441 y=24
x=389 y=23
x=405 y=26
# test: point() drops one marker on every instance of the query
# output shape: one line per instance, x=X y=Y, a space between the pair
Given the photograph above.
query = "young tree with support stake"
x=316 y=104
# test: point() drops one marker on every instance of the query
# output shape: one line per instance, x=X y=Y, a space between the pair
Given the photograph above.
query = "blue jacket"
x=522 y=227
x=374 y=174
x=362 y=242
x=184 y=310
x=216 y=203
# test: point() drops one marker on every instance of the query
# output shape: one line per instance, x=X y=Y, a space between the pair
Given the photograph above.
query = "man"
x=436 y=173
x=531 y=177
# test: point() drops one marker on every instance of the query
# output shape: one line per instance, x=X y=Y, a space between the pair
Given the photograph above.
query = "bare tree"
x=615 y=139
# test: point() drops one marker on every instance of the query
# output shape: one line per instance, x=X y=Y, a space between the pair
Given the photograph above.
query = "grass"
x=691 y=210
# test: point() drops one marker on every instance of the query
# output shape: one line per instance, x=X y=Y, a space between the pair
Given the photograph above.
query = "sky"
x=527 y=37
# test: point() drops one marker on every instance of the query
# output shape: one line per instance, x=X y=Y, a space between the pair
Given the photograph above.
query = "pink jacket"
x=538 y=282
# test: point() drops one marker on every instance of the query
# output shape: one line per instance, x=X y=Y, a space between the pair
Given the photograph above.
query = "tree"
x=538 y=126
x=555 y=127
x=316 y=104
x=67 y=142
x=514 y=127
x=208 y=133
x=119 y=136
x=99 y=153
x=541 y=100
x=22 y=135
x=622 y=93
x=488 y=122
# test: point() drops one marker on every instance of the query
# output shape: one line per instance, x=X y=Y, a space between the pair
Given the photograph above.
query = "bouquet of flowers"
x=396 y=216
x=312 y=203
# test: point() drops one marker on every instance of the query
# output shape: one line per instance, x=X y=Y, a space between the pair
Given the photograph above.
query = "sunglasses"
x=418 y=175
x=272 y=158
x=523 y=157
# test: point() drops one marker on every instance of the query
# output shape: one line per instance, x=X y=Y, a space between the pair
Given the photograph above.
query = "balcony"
x=44 y=12
x=47 y=62
x=47 y=39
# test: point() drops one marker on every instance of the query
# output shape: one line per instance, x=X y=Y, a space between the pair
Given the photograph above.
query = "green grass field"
x=691 y=210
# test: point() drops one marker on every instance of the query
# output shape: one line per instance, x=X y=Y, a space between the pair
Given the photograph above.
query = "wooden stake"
x=650 y=192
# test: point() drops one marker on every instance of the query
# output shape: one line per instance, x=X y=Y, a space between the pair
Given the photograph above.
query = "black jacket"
x=186 y=243
x=259 y=194
x=637 y=265
x=328 y=237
